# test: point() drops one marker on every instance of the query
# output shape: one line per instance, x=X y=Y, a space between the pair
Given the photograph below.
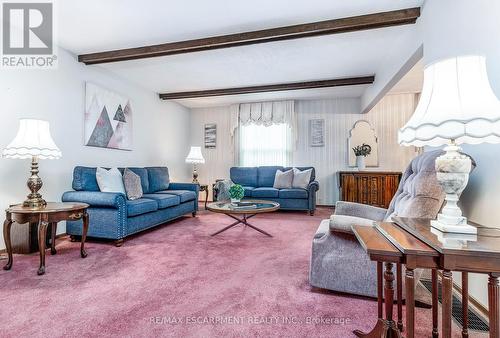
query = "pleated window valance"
x=263 y=113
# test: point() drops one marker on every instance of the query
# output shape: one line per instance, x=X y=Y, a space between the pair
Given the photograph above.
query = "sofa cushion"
x=313 y=172
x=293 y=193
x=132 y=183
x=110 y=180
x=283 y=180
x=159 y=179
x=141 y=206
x=301 y=178
x=266 y=174
x=164 y=200
x=245 y=176
x=419 y=194
x=248 y=191
x=84 y=179
x=143 y=174
x=184 y=195
x=265 y=193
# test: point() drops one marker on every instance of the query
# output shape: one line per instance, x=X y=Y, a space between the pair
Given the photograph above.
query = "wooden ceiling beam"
x=335 y=26
x=351 y=81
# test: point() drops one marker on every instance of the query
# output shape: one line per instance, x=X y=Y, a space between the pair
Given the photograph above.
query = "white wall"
x=218 y=160
x=459 y=27
x=406 y=52
x=340 y=115
x=161 y=129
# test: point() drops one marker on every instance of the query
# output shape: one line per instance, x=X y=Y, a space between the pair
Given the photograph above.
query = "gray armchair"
x=338 y=261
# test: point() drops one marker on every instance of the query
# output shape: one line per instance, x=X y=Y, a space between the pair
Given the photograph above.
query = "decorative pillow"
x=283 y=180
x=301 y=178
x=132 y=183
x=110 y=180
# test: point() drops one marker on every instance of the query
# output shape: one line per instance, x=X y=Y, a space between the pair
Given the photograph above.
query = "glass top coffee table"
x=246 y=209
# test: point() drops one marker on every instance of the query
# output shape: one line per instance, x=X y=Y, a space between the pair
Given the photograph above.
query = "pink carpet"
x=177 y=281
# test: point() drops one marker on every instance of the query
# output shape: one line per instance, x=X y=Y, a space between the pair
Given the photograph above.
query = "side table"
x=50 y=214
x=204 y=187
x=382 y=251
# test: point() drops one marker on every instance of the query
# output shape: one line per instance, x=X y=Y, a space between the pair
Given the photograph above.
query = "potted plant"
x=361 y=152
x=236 y=192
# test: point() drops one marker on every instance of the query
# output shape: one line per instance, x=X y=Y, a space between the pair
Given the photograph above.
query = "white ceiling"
x=96 y=25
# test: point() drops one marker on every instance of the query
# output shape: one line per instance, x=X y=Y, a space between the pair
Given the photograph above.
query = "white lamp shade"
x=457 y=103
x=32 y=139
x=195 y=156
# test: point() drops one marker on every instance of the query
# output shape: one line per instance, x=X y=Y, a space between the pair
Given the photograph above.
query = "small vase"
x=360 y=163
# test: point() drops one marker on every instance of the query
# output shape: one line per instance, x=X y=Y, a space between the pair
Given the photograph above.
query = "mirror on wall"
x=363 y=133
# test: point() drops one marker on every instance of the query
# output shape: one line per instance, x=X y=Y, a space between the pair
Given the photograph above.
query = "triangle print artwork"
x=103 y=131
x=108 y=119
x=120 y=116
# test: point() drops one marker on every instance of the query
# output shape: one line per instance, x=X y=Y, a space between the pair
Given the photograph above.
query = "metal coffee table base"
x=244 y=221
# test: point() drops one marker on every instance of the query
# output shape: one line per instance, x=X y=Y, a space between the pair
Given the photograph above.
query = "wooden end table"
x=50 y=214
x=382 y=251
x=204 y=187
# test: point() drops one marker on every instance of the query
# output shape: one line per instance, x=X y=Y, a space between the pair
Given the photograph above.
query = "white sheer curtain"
x=264 y=145
x=264 y=133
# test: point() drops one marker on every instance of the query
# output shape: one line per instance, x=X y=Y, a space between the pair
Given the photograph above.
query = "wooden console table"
x=50 y=214
x=375 y=188
x=423 y=247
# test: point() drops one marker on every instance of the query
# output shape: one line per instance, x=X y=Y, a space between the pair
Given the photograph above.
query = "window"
x=264 y=145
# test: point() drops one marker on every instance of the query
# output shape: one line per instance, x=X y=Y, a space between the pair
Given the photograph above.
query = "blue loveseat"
x=258 y=184
x=112 y=216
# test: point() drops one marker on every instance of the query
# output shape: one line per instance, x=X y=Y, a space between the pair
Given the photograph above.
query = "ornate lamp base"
x=460 y=229
x=34 y=183
x=195 y=174
x=452 y=170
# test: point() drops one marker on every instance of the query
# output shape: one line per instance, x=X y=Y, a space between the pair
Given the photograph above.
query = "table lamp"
x=195 y=157
x=33 y=141
x=457 y=106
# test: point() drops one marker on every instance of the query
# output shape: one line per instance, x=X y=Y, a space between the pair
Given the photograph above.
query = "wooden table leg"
x=410 y=303
x=446 y=303
x=385 y=328
x=435 y=304
x=8 y=244
x=42 y=233
x=53 y=228
x=465 y=304
x=206 y=198
x=493 y=306
x=399 y=271
x=380 y=285
x=85 y=229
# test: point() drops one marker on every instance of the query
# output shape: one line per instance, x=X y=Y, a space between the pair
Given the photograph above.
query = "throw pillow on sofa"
x=132 y=183
x=301 y=178
x=110 y=180
x=283 y=179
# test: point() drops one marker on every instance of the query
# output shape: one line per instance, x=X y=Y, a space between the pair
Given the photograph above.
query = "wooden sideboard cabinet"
x=375 y=188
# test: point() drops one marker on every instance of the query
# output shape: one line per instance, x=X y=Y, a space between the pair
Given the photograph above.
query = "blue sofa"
x=258 y=184
x=112 y=216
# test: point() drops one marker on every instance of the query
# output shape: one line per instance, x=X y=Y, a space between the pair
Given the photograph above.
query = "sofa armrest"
x=360 y=210
x=184 y=186
x=342 y=223
x=96 y=198
x=313 y=186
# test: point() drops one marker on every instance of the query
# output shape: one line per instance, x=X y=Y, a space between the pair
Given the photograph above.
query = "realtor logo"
x=28 y=35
